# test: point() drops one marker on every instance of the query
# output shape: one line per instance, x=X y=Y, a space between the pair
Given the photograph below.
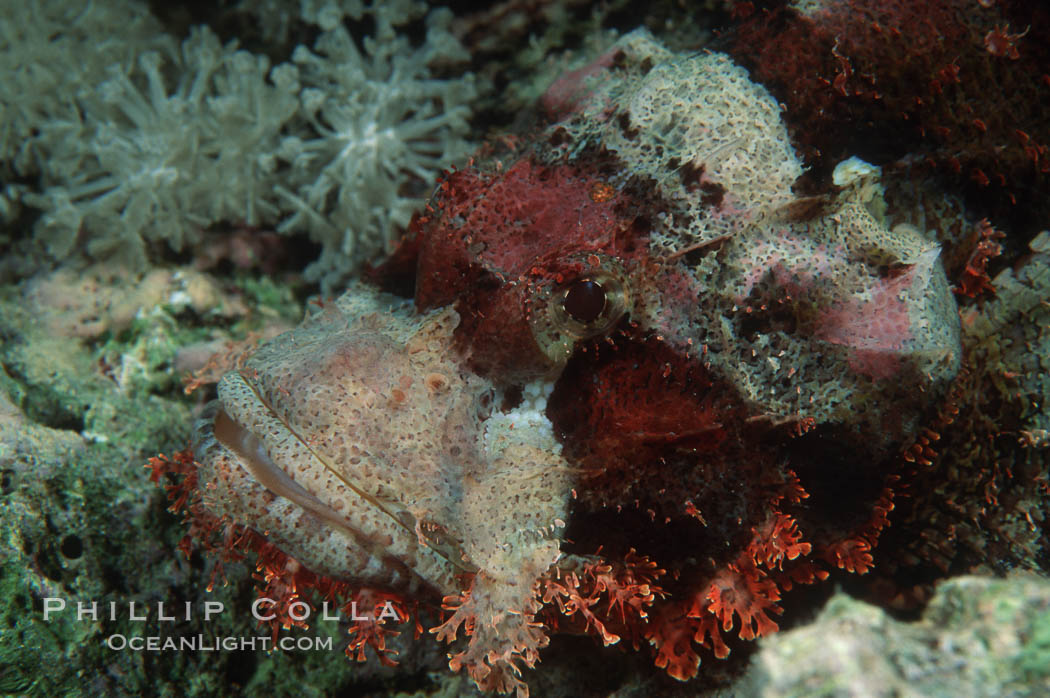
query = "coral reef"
x=72 y=509
x=42 y=50
x=374 y=130
x=160 y=152
x=645 y=382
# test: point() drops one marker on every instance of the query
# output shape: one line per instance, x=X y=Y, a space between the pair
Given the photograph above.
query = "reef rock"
x=979 y=636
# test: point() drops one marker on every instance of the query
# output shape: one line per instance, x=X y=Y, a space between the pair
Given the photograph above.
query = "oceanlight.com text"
x=200 y=643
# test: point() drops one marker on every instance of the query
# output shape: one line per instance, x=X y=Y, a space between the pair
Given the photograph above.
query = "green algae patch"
x=89 y=391
x=1033 y=662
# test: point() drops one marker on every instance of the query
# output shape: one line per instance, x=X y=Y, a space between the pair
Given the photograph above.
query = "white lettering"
x=255 y=609
x=212 y=607
x=324 y=612
x=160 y=613
x=298 y=604
x=53 y=604
x=388 y=611
x=131 y=614
x=91 y=609
x=112 y=638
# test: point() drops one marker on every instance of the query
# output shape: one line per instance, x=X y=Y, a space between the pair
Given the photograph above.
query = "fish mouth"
x=253 y=454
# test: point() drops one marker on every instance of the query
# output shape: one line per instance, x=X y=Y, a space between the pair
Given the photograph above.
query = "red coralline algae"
x=749 y=596
x=778 y=539
x=999 y=42
x=660 y=437
x=969 y=90
x=517 y=224
x=740 y=594
x=852 y=555
x=974 y=280
x=602 y=598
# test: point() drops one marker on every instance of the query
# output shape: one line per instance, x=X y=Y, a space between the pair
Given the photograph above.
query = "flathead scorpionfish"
x=623 y=333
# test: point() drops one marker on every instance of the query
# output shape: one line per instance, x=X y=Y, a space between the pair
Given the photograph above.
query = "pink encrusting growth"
x=876 y=328
x=791 y=262
x=569 y=92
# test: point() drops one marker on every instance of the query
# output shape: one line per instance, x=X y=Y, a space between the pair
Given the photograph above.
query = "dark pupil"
x=585 y=301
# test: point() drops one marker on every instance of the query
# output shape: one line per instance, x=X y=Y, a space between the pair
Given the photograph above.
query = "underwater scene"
x=525 y=347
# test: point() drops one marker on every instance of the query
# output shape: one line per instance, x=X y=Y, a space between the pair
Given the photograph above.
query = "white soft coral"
x=136 y=140
x=151 y=158
x=378 y=121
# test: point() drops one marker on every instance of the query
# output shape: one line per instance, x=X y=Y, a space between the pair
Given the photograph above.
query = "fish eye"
x=584 y=300
x=581 y=308
x=590 y=304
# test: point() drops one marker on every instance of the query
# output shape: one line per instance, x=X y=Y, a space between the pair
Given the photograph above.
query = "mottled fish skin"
x=393 y=443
